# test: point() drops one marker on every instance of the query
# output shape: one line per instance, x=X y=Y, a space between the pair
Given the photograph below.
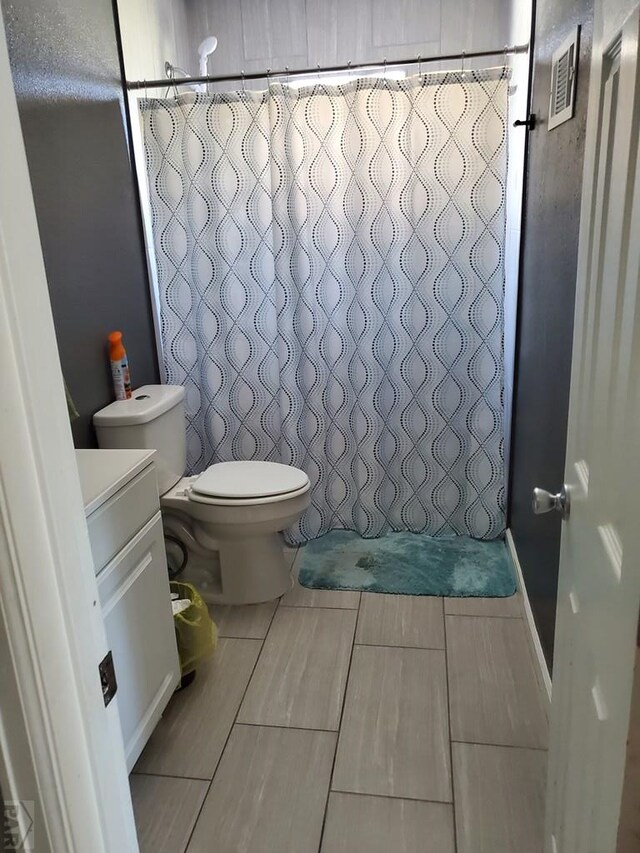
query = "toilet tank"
x=153 y=419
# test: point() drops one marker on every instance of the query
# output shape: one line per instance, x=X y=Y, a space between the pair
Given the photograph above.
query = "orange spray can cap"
x=116 y=349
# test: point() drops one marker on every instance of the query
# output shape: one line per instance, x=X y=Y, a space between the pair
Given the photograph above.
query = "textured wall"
x=65 y=64
x=546 y=305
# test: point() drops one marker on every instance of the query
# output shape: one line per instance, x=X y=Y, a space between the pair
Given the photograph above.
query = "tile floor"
x=340 y=722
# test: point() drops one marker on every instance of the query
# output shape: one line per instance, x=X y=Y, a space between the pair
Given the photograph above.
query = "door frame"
x=61 y=750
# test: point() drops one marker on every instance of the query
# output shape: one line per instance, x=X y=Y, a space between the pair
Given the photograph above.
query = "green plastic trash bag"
x=196 y=633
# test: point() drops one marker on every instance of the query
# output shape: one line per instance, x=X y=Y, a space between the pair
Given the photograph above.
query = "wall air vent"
x=564 y=67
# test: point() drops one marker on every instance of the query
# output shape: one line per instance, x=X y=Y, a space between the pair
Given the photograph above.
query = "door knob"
x=544 y=501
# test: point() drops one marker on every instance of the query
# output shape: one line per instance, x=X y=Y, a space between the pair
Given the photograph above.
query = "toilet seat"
x=247 y=483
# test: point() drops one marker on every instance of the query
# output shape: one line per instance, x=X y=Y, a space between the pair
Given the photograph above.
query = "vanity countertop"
x=104 y=472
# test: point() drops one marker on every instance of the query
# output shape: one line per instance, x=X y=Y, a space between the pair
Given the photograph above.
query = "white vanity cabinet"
x=127 y=542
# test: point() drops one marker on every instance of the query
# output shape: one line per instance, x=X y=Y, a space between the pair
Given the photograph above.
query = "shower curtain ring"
x=462 y=56
x=242 y=75
x=419 y=66
x=286 y=71
x=318 y=67
x=384 y=69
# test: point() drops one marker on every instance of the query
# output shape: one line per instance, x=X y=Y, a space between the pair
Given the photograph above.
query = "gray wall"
x=546 y=304
x=66 y=70
x=257 y=34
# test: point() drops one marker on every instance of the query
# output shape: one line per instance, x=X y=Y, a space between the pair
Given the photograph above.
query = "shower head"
x=205 y=49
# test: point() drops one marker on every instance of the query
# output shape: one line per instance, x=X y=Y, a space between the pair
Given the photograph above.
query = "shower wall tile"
x=324 y=23
x=475 y=25
x=154 y=32
x=273 y=29
x=224 y=20
x=255 y=34
x=412 y=21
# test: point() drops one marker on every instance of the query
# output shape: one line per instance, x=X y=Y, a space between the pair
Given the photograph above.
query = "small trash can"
x=196 y=633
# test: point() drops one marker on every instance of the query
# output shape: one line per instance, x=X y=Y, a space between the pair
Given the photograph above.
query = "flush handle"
x=544 y=501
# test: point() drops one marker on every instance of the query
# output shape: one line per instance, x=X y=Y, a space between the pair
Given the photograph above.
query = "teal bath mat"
x=408 y=564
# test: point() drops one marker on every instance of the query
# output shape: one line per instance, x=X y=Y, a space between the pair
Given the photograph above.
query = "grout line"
x=235 y=637
x=390 y=646
x=501 y=745
x=344 y=702
x=316 y=607
x=231 y=728
x=391 y=797
x=170 y=776
x=453 y=796
x=287 y=728
x=482 y=616
x=296 y=552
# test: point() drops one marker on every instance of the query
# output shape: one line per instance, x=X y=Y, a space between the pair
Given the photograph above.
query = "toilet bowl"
x=223 y=527
x=244 y=531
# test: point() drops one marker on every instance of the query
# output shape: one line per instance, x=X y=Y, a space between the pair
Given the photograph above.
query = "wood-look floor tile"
x=511 y=606
x=248 y=621
x=165 y=811
x=394 y=738
x=359 y=824
x=300 y=678
x=401 y=620
x=301 y=596
x=269 y=793
x=499 y=798
x=190 y=737
x=290 y=554
x=493 y=691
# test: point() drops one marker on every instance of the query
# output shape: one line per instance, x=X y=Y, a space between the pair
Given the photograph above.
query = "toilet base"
x=235 y=553
x=252 y=570
x=248 y=570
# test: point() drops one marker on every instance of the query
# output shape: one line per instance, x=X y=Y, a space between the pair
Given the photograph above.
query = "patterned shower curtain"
x=330 y=273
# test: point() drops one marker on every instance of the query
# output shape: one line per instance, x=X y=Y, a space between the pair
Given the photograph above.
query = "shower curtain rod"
x=295 y=72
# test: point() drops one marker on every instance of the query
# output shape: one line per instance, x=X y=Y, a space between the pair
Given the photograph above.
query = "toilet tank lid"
x=145 y=404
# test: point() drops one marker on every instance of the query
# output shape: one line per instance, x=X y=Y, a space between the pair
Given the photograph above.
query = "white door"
x=62 y=764
x=599 y=589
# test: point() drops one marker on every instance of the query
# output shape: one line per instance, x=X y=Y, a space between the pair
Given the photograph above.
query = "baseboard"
x=536 y=645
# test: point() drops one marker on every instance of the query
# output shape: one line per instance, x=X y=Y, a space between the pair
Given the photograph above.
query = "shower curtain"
x=330 y=275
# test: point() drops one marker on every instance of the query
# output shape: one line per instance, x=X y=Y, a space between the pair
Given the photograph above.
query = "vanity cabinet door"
x=136 y=606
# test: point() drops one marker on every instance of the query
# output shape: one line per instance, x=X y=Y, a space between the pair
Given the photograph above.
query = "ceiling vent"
x=564 y=68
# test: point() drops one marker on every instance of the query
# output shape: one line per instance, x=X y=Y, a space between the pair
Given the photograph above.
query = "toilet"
x=223 y=527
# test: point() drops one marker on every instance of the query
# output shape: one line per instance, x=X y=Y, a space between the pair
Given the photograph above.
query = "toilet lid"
x=249 y=480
